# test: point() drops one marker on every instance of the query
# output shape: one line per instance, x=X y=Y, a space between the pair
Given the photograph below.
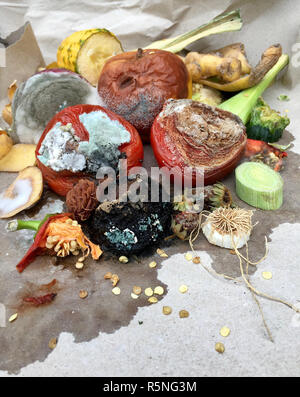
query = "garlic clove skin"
x=224 y=240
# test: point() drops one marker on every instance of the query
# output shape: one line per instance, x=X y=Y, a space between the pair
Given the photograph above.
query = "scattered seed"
x=224 y=331
x=159 y=290
x=52 y=343
x=188 y=256
x=183 y=314
x=196 y=259
x=149 y=291
x=79 y=265
x=167 y=310
x=107 y=276
x=83 y=294
x=75 y=252
x=183 y=289
x=153 y=299
x=219 y=347
x=123 y=259
x=114 y=279
x=134 y=296
x=73 y=244
x=137 y=290
x=152 y=264
x=49 y=245
x=81 y=259
x=116 y=291
x=13 y=317
x=161 y=253
x=267 y=275
x=232 y=252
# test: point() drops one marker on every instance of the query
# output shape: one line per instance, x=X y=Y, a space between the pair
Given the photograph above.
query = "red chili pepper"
x=39 y=245
x=40 y=300
x=254 y=147
x=63 y=181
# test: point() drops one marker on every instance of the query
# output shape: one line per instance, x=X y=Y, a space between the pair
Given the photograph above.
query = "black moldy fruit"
x=129 y=227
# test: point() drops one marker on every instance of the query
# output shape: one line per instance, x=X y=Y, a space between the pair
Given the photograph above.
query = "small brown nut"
x=196 y=260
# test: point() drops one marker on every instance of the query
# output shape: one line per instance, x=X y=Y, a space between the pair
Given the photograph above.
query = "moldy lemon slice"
x=86 y=51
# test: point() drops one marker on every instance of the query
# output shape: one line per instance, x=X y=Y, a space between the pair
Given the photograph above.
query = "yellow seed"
x=159 y=290
x=49 y=240
x=13 y=317
x=224 y=331
x=49 y=245
x=74 y=223
x=52 y=343
x=55 y=239
x=149 y=291
x=183 y=289
x=107 y=276
x=267 y=275
x=137 y=290
x=152 y=264
x=183 y=314
x=83 y=294
x=79 y=265
x=167 y=310
x=115 y=279
x=152 y=299
x=57 y=247
x=161 y=253
x=75 y=252
x=81 y=259
x=134 y=296
x=196 y=260
x=123 y=259
x=188 y=256
x=73 y=244
x=219 y=347
x=116 y=291
x=69 y=221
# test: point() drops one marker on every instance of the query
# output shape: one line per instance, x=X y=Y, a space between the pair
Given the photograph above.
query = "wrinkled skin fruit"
x=44 y=94
x=191 y=134
x=63 y=181
x=136 y=84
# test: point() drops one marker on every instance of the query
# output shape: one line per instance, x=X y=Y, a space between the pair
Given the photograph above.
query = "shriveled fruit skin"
x=136 y=84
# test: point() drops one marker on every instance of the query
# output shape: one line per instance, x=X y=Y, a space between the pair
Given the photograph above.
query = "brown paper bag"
x=20 y=57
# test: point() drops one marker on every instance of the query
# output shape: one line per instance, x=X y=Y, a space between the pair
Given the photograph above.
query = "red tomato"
x=167 y=155
x=61 y=182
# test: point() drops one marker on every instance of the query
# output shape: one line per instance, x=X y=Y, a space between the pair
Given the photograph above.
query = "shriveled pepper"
x=56 y=235
x=264 y=152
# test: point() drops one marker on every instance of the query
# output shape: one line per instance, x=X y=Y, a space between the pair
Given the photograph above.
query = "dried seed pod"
x=81 y=199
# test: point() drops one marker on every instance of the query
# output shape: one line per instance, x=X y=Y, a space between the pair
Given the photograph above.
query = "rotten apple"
x=192 y=134
x=136 y=84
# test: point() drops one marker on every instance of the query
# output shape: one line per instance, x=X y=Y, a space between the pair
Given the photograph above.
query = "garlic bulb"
x=228 y=228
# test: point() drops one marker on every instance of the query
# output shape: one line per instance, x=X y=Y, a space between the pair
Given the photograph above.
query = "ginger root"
x=202 y=66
